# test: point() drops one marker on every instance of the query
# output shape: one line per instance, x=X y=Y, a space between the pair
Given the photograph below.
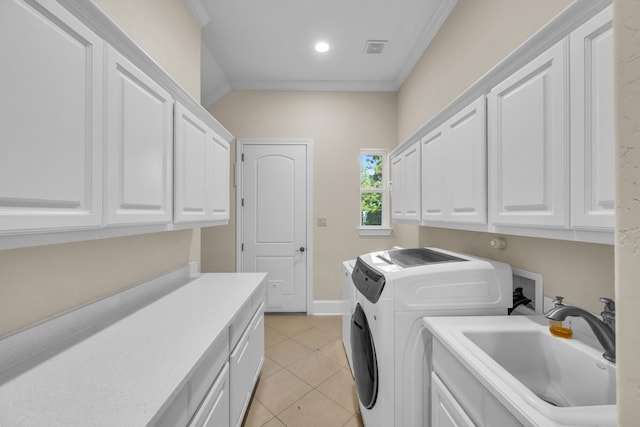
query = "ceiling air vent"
x=374 y=47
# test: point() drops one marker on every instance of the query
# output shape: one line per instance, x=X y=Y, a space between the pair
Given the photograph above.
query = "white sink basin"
x=554 y=369
x=551 y=381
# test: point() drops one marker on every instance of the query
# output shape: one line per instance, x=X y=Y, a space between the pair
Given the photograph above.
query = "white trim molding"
x=329 y=307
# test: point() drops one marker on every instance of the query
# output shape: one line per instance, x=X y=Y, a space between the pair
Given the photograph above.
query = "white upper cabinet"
x=219 y=178
x=191 y=142
x=592 y=145
x=201 y=171
x=433 y=175
x=466 y=165
x=50 y=119
x=529 y=144
x=405 y=190
x=454 y=159
x=139 y=146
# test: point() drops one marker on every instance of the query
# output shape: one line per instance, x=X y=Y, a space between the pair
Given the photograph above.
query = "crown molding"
x=428 y=33
x=200 y=12
x=312 y=86
x=213 y=96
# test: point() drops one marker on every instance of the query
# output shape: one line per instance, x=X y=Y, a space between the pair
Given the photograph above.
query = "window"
x=373 y=192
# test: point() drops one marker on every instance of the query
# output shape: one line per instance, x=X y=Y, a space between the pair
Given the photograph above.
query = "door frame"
x=308 y=142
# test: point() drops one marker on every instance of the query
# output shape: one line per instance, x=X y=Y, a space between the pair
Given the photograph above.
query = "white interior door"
x=274 y=220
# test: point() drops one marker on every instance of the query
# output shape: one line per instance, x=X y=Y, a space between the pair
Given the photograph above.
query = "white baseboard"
x=329 y=307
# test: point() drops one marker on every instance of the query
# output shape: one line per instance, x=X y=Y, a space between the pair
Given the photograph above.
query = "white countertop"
x=125 y=373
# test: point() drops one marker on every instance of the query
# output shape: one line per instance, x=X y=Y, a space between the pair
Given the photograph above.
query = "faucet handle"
x=557 y=300
x=609 y=312
x=609 y=304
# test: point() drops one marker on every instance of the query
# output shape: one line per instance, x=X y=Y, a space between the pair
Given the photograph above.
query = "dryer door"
x=363 y=354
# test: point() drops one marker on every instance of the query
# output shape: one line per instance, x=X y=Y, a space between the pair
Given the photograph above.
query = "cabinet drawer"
x=245 y=364
x=207 y=370
x=445 y=409
x=243 y=318
x=214 y=411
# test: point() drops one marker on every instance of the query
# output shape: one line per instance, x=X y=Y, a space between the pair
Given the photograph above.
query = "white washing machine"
x=349 y=300
x=390 y=348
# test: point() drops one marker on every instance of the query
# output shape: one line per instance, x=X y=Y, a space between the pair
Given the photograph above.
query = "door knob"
x=302 y=249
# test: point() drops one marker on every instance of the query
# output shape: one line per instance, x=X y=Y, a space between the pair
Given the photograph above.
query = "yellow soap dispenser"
x=556 y=327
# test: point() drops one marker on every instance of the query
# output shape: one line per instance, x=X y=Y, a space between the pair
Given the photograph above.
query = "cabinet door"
x=411 y=181
x=528 y=144
x=139 y=130
x=397 y=187
x=50 y=119
x=191 y=158
x=405 y=175
x=219 y=178
x=592 y=145
x=466 y=170
x=445 y=410
x=214 y=410
x=433 y=169
x=245 y=361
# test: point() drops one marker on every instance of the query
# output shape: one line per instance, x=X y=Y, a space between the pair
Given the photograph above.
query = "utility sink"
x=554 y=369
x=550 y=380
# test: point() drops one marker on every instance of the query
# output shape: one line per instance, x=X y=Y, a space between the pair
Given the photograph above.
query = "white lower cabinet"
x=245 y=363
x=459 y=399
x=445 y=409
x=218 y=391
x=214 y=411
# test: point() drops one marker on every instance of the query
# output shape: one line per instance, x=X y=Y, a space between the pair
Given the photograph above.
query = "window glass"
x=373 y=189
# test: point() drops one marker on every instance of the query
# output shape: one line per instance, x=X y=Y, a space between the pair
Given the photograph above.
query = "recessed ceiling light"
x=322 y=47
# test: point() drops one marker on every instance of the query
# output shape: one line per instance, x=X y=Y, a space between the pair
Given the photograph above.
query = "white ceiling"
x=268 y=44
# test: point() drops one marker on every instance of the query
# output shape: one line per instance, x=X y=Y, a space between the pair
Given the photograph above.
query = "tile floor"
x=305 y=380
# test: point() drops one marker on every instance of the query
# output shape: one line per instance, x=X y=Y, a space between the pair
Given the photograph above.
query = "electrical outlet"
x=322 y=222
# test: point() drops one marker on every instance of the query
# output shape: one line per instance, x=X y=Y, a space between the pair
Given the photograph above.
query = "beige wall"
x=626 y=21
x=340 y=124
x=167 y=31
x=474 y=38
x=36 y=283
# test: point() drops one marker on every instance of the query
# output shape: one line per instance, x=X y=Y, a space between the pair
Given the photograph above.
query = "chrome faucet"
x=604 y=330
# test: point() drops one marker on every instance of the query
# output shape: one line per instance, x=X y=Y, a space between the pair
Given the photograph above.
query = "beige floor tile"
x=314 y=339
x=330 y=324
x=289 y=325
x=355 y=421
x=335 y=351
x=280 y=390
x=257 y=415
x=274 y=422
x=342 y=390
x=287 y=352
x=314 y=410
x=272 y=337
x=314 y=369
x=269 y=367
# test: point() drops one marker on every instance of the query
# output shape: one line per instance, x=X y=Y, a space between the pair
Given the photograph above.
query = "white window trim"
x=376 y=230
